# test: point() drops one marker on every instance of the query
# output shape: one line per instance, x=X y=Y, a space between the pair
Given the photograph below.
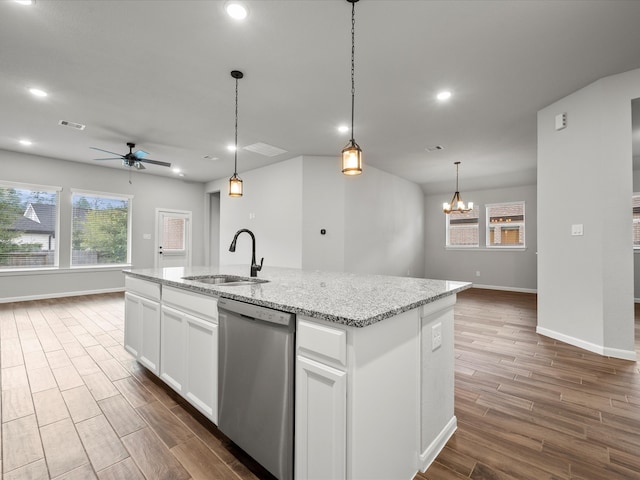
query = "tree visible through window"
x=505 y=225
x=28 y=226
x=100 y=234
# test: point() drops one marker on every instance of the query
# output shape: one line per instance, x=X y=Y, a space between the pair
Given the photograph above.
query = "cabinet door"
x=321 y=428
x=132 y=324
x=201 y=349
x=172 y=365
x=150 y=334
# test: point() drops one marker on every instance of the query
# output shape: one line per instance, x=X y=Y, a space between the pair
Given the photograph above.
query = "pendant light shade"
x=235 y=186
x=456 y=205
x=235 y=182
x=352 y=153
x=352 y=159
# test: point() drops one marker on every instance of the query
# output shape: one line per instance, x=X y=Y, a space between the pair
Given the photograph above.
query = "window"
x=173 y=234
x=505 y=225
x=28 y=226
x=100 y=229
x=636 y=220
x=462 y=229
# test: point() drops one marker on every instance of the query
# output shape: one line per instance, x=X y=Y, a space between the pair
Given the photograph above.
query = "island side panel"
x=438 y=421
x=383 y=414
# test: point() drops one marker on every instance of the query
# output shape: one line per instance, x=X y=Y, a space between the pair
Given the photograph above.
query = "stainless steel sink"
x=225 y=280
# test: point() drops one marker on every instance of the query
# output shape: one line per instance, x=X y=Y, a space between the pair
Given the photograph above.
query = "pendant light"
x=235 y=182
x=352 y=154
x=456 y=204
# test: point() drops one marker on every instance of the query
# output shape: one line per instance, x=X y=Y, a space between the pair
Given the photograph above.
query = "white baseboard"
x=506 y=289
x=45 y=296
x=427 y=457
x=591 y=347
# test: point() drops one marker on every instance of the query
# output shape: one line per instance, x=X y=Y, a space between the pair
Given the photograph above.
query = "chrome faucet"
x=255 y=268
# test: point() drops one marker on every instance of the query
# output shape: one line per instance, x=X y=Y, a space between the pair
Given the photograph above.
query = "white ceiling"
x=158 y=73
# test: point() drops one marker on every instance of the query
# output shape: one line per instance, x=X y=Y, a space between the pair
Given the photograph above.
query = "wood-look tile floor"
x=75 y=405
x=529 y=407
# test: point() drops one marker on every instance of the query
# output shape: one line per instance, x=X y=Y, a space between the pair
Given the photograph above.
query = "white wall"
x=636 y=256
x=149 y=192
x=324 y=188
x=384 y=225
x=271 y=208
x=374 y=222
x=503 y=269
x=585 y=283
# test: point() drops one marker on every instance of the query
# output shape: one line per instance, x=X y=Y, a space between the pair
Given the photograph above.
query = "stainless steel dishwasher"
x=255 y=382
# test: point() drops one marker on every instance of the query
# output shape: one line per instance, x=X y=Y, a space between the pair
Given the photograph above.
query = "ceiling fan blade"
x=140 y=154
x=114 y=158
x=155 y=162
x=106 y=151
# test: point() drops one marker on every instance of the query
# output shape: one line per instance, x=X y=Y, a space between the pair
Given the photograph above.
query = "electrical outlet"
x=436 y=336
x=477 y=273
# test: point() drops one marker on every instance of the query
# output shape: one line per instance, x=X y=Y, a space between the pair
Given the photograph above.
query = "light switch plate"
x=577 y=229
x=146 y=236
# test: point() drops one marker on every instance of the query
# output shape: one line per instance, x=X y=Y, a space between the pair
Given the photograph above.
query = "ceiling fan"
x=132 y=159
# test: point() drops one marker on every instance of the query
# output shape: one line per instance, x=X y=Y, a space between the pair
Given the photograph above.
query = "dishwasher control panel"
x=256 y=311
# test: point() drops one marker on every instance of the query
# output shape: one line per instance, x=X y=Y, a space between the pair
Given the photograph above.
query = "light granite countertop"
x=351 y=299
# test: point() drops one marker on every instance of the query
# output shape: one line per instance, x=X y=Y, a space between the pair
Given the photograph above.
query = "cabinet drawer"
x=190 y=302
x=323 y=340
x=144 y=288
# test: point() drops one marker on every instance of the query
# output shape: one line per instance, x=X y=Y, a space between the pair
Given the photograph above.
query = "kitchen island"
x=374 y=359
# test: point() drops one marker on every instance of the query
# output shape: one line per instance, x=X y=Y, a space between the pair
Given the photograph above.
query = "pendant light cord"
x=235 y=151
x=353 y=52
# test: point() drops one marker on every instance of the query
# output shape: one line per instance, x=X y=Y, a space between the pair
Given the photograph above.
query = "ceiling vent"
x=77 y=126
x=434 y=148
x=265 y=149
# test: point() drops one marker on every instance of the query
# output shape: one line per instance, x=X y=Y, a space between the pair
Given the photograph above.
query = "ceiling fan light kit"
x=132 y=159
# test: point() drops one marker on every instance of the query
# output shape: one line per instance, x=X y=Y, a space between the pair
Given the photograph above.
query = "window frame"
x=38 y=188
x=448 y=232
x=523 y=224
x=110 y=196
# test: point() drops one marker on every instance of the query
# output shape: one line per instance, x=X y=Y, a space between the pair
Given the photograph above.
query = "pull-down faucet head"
x=255 y=268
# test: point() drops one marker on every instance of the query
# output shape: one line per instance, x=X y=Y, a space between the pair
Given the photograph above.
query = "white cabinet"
x=132 y=324
x=321 y=402
x=321 y=407
x=189 y=349
x=172 y=364
x=201 y=348
x=142 y=322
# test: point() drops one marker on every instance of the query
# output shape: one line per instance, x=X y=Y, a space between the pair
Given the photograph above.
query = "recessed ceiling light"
x=37 y=92
x=444 y=95
x=26 y=142
x=176 y=170
x=231 y=148
x=181 y=174
x=236 y=10
x=343 y=128
x=25 y=2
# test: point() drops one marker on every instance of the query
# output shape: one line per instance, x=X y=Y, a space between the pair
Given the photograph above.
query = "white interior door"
x=173 y=238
